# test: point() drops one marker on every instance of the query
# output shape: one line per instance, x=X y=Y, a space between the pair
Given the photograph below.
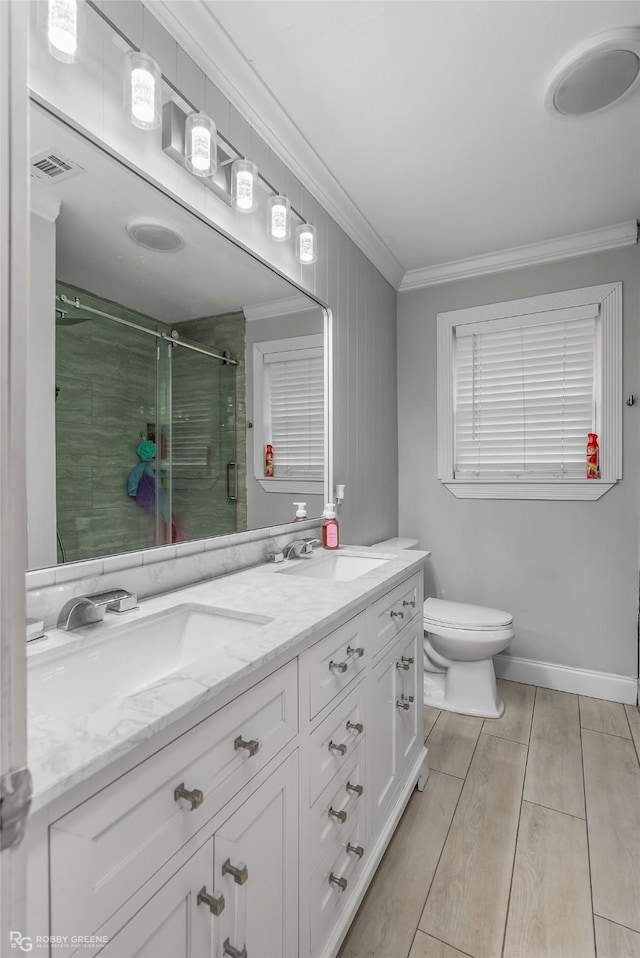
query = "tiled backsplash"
x=155 y=571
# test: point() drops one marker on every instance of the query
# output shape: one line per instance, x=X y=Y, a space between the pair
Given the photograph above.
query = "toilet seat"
x=462 y=616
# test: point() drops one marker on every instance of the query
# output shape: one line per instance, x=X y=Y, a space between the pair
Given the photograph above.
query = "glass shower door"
x=203 y=468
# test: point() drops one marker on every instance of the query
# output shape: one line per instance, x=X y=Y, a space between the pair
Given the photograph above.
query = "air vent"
x=53 y=167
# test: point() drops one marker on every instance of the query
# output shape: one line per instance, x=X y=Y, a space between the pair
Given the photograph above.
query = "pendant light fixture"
x=62 y=24
x=306 y=246
x=244 y=186
x=142 y=90
x=201 y=145
x=279 y=218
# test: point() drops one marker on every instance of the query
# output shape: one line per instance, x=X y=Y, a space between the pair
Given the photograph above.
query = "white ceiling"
x=430 y=114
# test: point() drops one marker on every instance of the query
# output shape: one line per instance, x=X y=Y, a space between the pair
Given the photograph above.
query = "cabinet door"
x=410 y=678
x=171 y=924
x=260 y=844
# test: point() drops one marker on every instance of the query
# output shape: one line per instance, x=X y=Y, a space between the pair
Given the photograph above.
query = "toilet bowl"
x=459 y=643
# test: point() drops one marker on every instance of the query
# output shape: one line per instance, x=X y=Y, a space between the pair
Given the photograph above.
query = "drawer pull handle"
x=396 y=615
x=229 y=949
x=239 y=872
x=215 y=903
x=408 y=659
x=335 y=747
x=355 y=727
x=359 y=652
x=403 y=704
x=355 y=849
x=193 y=795
x=339 y=816
x=358 y=789
x=340 y=882
x=403 y=664
x=411 y=602
x=252 y=746
x=338 y=666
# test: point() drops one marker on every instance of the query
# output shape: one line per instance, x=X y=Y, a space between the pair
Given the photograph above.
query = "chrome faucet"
x=86 y=609
x=300 y=548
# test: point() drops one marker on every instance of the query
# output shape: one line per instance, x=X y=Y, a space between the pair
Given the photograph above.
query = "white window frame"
x=295 y=344
x=608 y=298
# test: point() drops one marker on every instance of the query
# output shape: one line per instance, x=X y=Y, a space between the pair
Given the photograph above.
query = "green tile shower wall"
x=106 y=374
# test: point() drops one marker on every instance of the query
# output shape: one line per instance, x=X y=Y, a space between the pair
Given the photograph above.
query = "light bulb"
x=62 y=29
x=200 y=145
x=279 y=220
x=244 y=182
x=142 y=90
x=306 y=244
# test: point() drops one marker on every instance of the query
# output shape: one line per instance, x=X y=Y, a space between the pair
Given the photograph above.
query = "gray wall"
x=568 y=571
x=362 y=301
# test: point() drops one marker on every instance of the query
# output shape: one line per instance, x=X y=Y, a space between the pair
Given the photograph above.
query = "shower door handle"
x=232 y=468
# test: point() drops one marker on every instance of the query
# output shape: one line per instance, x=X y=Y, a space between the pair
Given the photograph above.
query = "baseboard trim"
x=562 y=678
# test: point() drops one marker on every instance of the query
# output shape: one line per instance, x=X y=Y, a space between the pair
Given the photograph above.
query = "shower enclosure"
x=124 y=381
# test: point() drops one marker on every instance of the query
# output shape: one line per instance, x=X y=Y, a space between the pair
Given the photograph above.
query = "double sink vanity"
x=219 y=770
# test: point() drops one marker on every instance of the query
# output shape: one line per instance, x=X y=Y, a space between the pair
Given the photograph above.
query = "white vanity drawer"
x=106 y=848
x=329 y=897
x=334 y=740
x=334 y=662
x=393 y=611
x=333 y=813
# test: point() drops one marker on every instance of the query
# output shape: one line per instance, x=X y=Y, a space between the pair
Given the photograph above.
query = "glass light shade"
x=279 y=218
x=142 y=90
x=62 y=21
x=244 y=186
x=201 y=145
x=306 y=245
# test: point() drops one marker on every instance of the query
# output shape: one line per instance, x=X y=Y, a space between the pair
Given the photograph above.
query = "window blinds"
x=294 y=406
x=525 y=393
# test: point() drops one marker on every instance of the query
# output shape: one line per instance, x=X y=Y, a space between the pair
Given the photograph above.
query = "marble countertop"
x=67 y=745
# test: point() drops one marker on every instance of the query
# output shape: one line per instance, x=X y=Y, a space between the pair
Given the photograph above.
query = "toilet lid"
x=462 y=616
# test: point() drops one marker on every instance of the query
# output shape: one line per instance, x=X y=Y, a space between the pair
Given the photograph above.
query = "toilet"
x=459 y=643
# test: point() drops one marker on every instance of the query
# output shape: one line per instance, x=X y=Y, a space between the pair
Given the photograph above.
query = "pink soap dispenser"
x=330 y=533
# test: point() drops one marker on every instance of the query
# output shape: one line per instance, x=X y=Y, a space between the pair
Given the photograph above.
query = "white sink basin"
x=337 y=567
x=115 y=660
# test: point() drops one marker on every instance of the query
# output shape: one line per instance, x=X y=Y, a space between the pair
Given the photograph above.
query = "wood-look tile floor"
x=525 y=842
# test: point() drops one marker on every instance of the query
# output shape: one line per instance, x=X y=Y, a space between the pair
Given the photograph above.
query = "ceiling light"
x=244 y=186
x=597 y=74
x=201 y=150
x=155 y=234
x=142 y=90
x=279 y=218
x=306 y=252
x=63 y=22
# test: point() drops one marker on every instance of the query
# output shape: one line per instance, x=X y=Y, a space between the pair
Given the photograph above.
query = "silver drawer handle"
x=193 y=795
x=404 y=705
x=359 y=652
x=355 y=849
x=403 y=664
x=232 y=951
x=358 y=789
x=355 y=727
x=396 y=615
x=340 y=882
x=335 y=747
x=411 y=602
x=339 y=815
x=215 y=902
x=239 y=873
x=338 y=666
x=251 y=746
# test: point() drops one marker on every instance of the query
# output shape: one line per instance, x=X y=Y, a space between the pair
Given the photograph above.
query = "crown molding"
x=195 y=27
x=279 y=307
x=42 y=203
x=563 y=247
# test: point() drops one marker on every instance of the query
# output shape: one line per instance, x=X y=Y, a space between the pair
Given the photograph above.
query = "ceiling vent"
x=52 y=167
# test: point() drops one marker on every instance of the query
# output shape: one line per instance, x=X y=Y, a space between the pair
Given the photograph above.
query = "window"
x=520 y=385
x=289 y=411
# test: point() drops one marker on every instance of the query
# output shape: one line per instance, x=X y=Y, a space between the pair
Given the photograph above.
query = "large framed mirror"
x=176 y=384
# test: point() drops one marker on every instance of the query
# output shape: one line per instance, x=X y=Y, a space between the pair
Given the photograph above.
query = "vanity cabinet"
x=257 y=831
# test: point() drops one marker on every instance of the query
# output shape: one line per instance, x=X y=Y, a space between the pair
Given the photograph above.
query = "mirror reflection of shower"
x=146 y=428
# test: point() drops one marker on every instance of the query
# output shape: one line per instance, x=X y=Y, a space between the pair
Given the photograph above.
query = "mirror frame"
x=249 y=535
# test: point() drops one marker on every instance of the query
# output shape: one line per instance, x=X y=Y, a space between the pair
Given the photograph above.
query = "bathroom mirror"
x=163 y=359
